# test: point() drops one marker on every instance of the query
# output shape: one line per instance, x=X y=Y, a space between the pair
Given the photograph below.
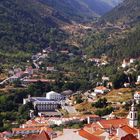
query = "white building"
x=50 y=68
x=51 y=102
x=25 y=131
x=63 y=121
x=137 y=97
x=101 y=90
x=133 y=116
x=125 y=64
x=132 y=60
x=13 y=78
x=54 y=96
x=138 y=79
x=43 y=104
x=105 y=78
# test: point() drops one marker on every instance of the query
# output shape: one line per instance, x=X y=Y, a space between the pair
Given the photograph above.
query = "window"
x=131 y=115
x=135 y=115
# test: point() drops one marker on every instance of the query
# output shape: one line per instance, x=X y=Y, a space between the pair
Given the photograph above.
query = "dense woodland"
x=25 y=30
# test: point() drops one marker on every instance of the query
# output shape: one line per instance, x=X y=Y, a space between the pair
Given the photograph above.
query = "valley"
x=69 y=67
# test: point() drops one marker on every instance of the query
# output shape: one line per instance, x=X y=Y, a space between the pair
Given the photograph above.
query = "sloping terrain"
x=119 y=33
x=27 y=27
x=128 y=11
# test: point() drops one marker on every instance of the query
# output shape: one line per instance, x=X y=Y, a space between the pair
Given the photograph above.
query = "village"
x=95 y=114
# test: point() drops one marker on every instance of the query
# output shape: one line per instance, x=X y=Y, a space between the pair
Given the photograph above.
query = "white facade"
x=133 y=116
x=138 y=79
x=24 y=131
x=121 y=133
x=101 y=90
x=54 y=96
x=13 y=78
x=137 y=97
x=125 y=64
x=63 y=121
x=132 y=60
x=46 y=105
x=50 y=68
x=51 y=102
x=43 y=104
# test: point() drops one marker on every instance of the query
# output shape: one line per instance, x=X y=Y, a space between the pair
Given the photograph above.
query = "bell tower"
x=133 y=116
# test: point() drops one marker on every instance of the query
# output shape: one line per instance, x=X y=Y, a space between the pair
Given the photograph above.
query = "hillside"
x=100 y=7
x=113 y=3
x=118 y=33
x=128 y=11
x=27 y=27
x=127 y=14
x=80 y=10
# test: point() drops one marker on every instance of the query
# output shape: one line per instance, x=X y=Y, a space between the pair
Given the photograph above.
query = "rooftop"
x=113 y=123
x=88 y=136
x=129 y=130
x=129 y=137
x=41 y=99
x=101 y=88
x=42 y=136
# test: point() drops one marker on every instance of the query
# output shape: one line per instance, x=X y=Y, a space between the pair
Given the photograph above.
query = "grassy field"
x=120 y=95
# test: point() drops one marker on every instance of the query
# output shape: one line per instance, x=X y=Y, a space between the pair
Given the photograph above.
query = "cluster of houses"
x=98 y=61
x=96 y=128
x=127 y=63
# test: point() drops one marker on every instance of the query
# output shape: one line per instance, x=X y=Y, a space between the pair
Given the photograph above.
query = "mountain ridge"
x=127 y=11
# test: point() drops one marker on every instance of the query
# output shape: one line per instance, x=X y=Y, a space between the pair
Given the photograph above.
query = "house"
x=105 y=78
x=50 y=68
x=100 y=90
x=95 y=60
x=54 y=96
x=64 y=51
x=138 y=79
x=125 y=130
x=129 y=137
x=35 y=123
x=88 y=136
x=25 y=131
x=137 y=97
x=67 y=93
x=93 y=118
x=63 y=121
x=13 y=78
x=125 y=63
x=132 y=60
x=29 y=70
x=41 y=136
x=126 y=85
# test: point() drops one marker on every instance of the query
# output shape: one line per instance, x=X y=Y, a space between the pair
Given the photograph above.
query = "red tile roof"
x=42 y=136
x=88 y=136
x=129 y=137
x=113 y=123
x=25 y=129
x=129 y=130
x=93 y=116
x=101 y=88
